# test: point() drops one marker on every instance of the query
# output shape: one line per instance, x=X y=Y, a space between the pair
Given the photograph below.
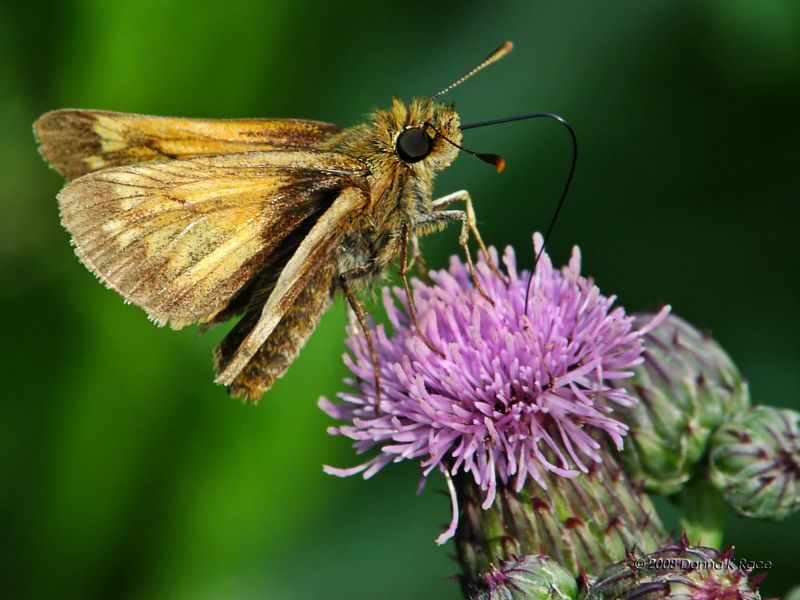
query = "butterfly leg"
x=438 y=219
x=417 y=260
x=443 y=217
x=405 y=236
x=469 y=225
x=361 y=316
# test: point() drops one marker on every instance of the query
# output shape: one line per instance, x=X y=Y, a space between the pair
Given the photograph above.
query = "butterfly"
x=202 y=221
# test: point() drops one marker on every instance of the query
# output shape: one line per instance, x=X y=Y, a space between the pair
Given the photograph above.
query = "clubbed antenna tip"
x=499 y=53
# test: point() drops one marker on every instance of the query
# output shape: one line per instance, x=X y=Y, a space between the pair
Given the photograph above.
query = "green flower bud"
x=677 y=571
x=687 y=387
x=530 y=577
x=755 y=462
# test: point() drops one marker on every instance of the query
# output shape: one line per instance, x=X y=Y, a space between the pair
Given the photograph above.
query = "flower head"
x=688 y=386
x=509 y=393
x=529 y=577
x=755 y=462
x=679 y=570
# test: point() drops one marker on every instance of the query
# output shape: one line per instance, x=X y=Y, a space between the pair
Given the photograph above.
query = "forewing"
x=77 y=142
x=314 y=253
x=180 y=238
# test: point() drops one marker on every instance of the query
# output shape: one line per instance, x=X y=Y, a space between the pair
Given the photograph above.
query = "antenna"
x=562 y=121
x=504 y=49
x=497 y=161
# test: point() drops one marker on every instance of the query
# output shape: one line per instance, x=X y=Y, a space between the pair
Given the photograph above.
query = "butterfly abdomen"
x=286 y=341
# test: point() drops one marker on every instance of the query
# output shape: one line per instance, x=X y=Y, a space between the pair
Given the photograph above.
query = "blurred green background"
x=124 y=472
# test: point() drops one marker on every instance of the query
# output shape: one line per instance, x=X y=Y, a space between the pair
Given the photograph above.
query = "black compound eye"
x=413 y=145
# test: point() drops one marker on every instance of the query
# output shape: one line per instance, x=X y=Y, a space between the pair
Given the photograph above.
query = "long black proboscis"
x=562 y=121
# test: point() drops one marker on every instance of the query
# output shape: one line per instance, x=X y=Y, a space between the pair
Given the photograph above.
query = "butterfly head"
x=423 y=135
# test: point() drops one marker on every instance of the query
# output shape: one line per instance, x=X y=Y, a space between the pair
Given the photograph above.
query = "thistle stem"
x=703 y=512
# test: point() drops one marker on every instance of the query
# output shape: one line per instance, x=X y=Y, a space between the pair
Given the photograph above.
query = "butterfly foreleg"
x=405 y=267
x=417 y=260
x=469 y=224
x=440 y=218
x=469 y=221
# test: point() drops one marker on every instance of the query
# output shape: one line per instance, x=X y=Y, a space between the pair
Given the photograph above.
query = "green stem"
x=702 y=512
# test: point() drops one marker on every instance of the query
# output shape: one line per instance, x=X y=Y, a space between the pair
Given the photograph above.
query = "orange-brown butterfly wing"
x=77 y=142
x=314 y=255
x=180 y=238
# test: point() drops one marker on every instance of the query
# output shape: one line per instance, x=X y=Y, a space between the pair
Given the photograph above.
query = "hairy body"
x=201 y=221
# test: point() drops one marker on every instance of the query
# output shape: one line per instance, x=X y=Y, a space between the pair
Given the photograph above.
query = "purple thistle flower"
x=511 y=395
